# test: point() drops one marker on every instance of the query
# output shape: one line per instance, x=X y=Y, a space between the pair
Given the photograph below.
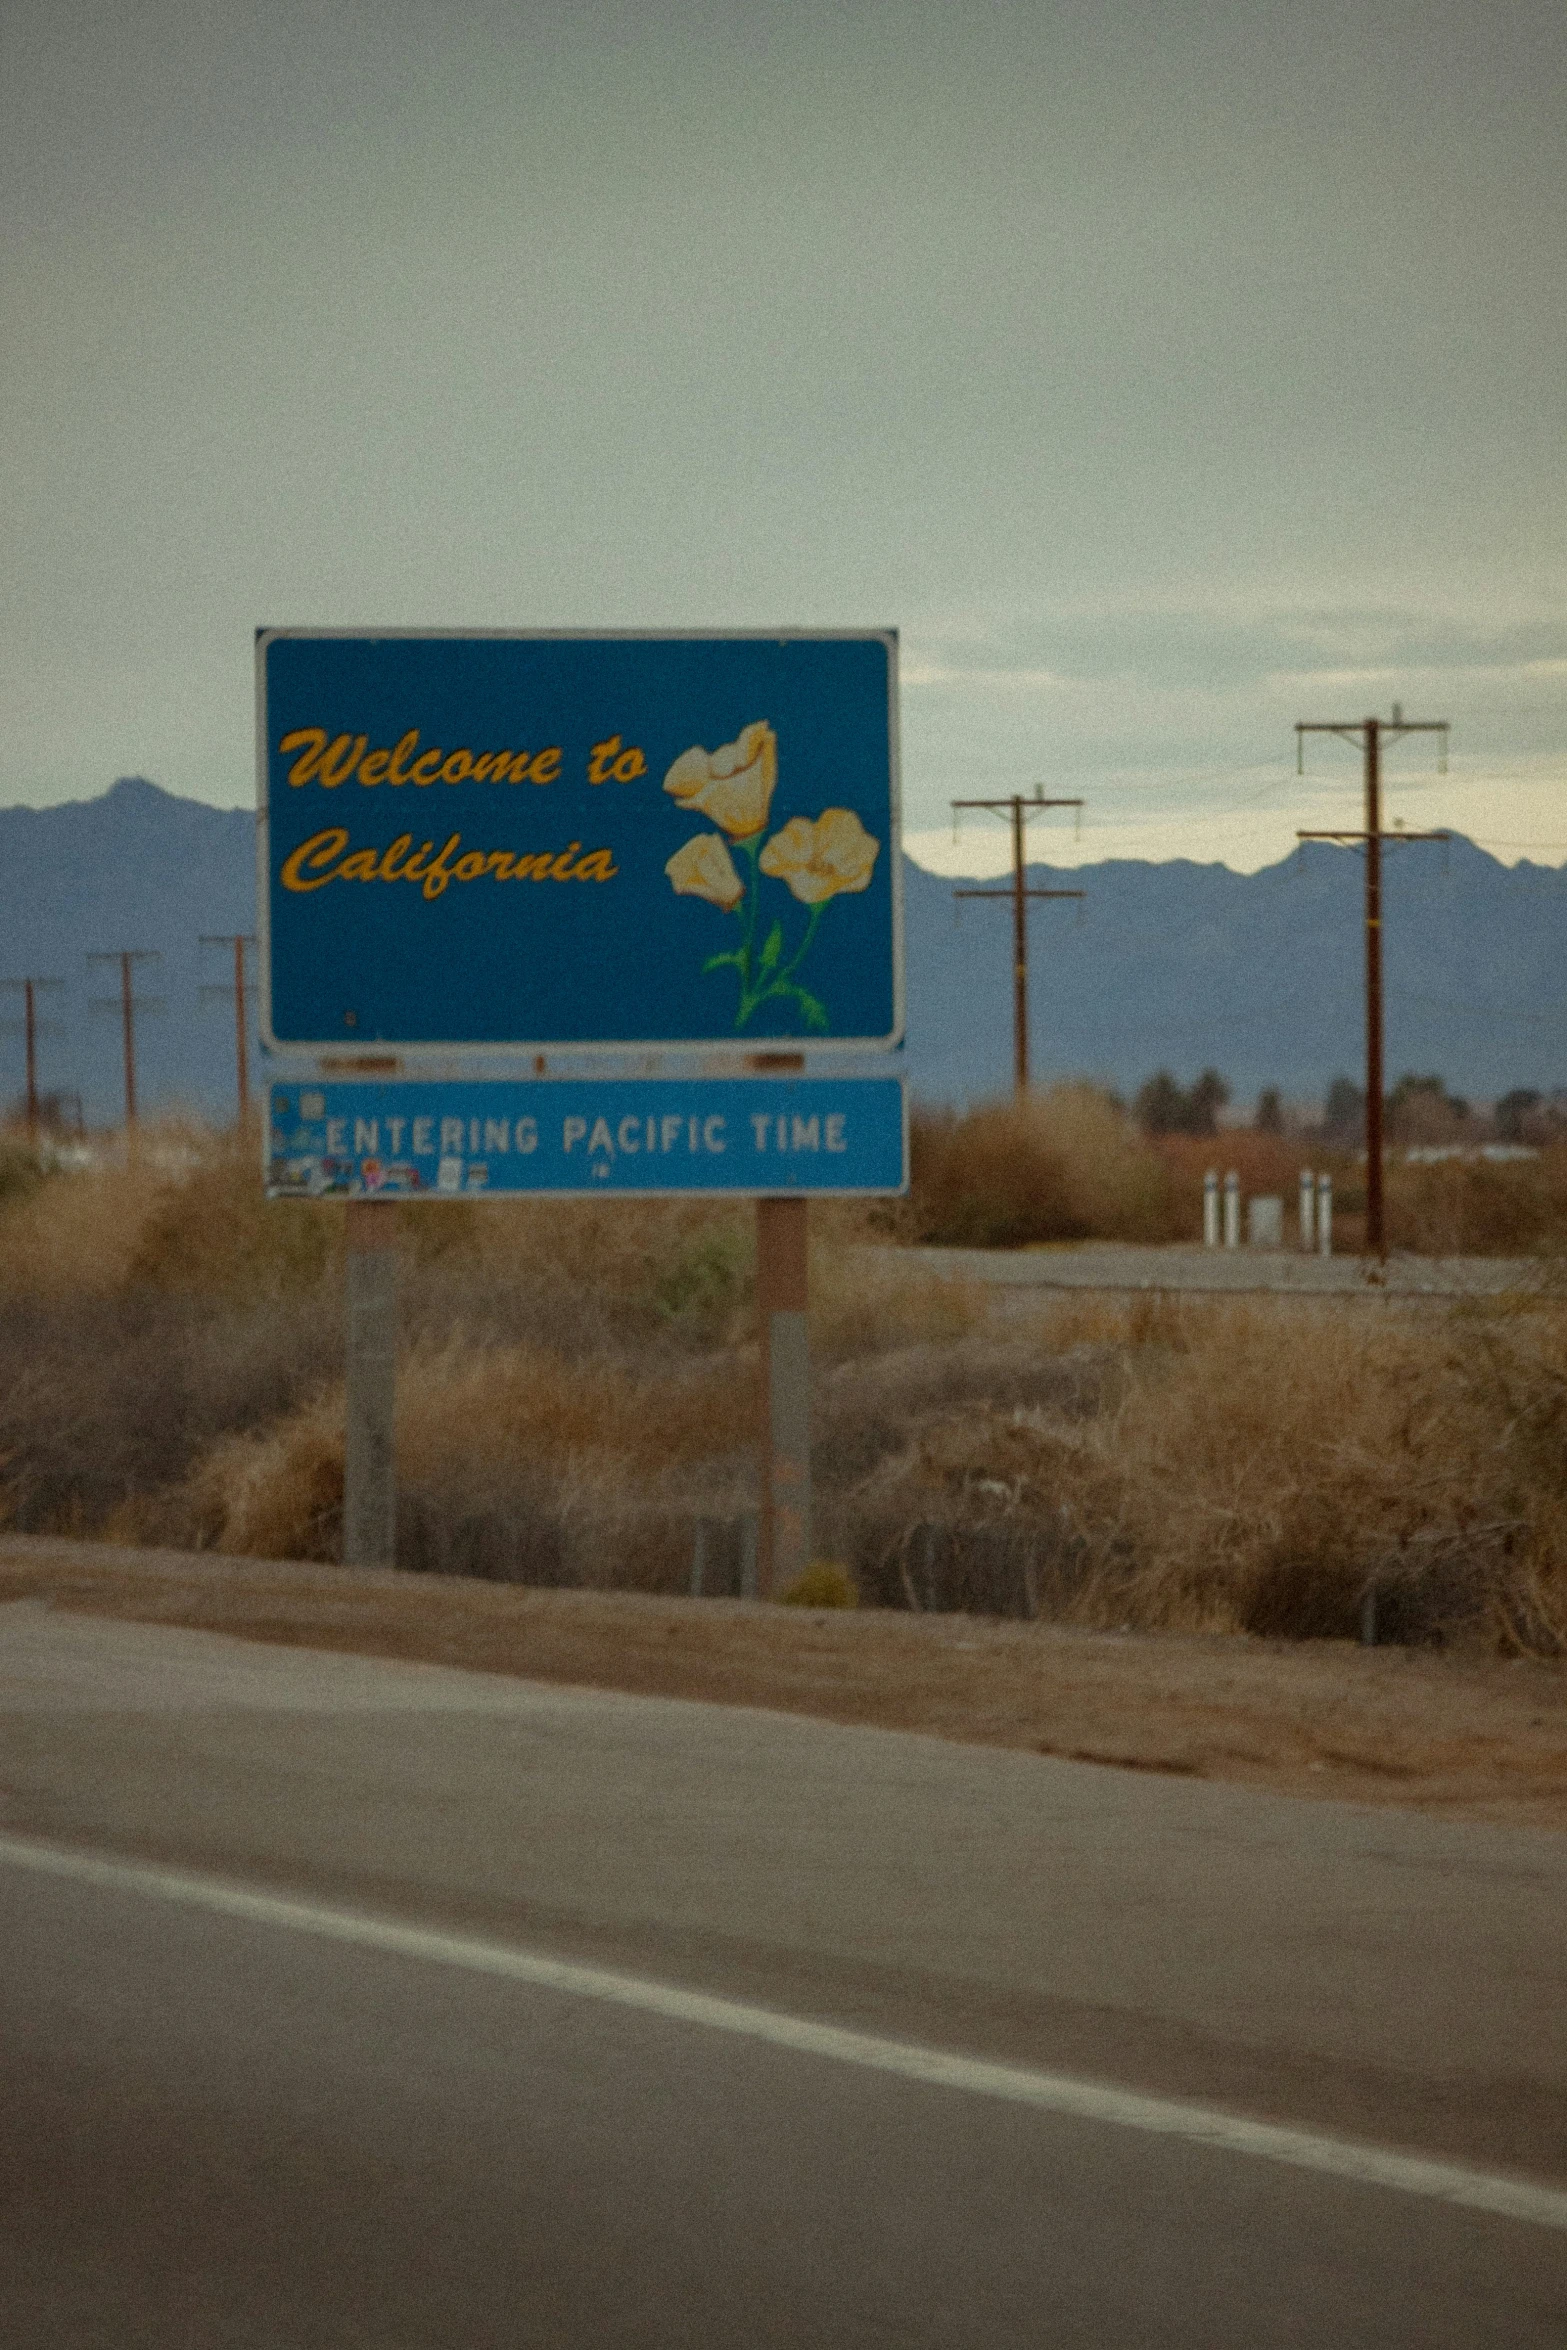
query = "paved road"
x=1106 y=1265
x=271 y=2127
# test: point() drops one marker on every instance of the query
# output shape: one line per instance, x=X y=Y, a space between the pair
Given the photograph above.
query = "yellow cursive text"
x=332 y=759
x=327 y=856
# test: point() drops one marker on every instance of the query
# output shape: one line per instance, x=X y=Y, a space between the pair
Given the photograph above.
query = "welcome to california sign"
x=507 y=840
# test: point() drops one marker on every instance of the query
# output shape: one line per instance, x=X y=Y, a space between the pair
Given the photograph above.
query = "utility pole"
x=128 y=1003
x=1017 y=810
x=1370 y=734
x=242 y=987
x=30 y=1028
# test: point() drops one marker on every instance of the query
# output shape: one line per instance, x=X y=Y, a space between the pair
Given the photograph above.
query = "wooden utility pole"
x=242 y=987
x=1370 y=734
x=128 y=1004
x=1017 y=810
x=30 y=1028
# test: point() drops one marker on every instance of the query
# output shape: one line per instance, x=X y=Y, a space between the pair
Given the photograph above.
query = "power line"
x=1369 y=734
x=1018 y=810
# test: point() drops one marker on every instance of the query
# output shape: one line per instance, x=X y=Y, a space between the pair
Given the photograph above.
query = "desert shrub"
x=706 y=1280
x=821 y=1584
x=535 y=1455
x=20 y=1171
x=75 y=1234
x=1264 y=1472
x=207 y=1230
x=865 y=1300
x=107 y=1399
x=1066 y=1164
x=1473 y=1207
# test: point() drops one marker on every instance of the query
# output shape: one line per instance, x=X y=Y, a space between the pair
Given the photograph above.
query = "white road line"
x=1090 y=2101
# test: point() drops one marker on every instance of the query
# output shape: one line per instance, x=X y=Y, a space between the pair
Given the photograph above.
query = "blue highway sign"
x=487 y=842
x=485 y=1138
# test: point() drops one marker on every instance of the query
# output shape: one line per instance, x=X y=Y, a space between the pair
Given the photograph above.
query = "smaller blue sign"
x=407 y=1138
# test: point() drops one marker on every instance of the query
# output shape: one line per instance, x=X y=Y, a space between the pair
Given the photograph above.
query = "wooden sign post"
x=782 y=1302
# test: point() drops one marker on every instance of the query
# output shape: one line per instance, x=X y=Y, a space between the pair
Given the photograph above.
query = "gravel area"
x=1467 y=1737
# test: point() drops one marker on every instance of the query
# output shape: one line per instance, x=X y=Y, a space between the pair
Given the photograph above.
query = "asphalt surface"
x=1110 y=1265
x=223 y=2128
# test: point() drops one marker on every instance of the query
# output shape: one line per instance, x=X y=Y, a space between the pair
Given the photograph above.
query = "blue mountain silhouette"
x=1174 y=965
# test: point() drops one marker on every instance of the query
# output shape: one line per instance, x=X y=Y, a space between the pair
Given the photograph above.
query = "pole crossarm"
x=1004 y=807
x=1353 y=730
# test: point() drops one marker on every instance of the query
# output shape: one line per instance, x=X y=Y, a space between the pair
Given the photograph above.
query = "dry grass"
x=1257 y=1469
x=1068 y=1165
x=1065 y=1164
x=578 y=1384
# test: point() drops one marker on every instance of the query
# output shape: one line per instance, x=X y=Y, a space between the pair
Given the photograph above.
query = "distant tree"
x=1421 y=1110
x=1206 y=1099
x=1513 y=1117
x=1160 y=1107
x=1270 y=1111
x=1163 y=1107
x=58 y=1113
x=1344 y=1112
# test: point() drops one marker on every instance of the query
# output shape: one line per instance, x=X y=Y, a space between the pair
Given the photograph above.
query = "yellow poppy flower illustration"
x=705 y=869
x=734 y=784
x=821 y=860
x=818 y=859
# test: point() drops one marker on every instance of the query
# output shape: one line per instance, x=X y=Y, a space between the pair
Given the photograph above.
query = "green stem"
x=781 y=982
x=748 y=999
x=782 y=978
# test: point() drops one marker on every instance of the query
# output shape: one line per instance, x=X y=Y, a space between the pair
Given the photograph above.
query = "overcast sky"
x=1165 y=372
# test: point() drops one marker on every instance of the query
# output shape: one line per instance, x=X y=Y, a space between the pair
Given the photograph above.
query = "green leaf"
x=722 y=962
x=773 y=948
x=814 y=1009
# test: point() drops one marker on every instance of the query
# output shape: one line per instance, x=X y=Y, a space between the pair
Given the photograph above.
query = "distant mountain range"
x=1177 y=966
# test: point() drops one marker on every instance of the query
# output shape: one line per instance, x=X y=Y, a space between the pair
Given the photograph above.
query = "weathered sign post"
x=494 y=866
x=783 y=1323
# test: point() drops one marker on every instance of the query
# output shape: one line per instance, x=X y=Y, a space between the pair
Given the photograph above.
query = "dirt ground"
x=1476 y=1738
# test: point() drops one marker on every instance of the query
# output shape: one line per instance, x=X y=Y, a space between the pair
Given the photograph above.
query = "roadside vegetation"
x=578 y=1385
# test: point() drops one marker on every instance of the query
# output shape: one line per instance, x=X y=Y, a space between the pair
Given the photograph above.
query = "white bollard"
x=1210 y=1209
x=1325 y=1215
x=1232 y=1210
x=1308 y=1210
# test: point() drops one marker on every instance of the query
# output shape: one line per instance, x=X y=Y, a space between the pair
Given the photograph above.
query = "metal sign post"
x=369 y=1445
